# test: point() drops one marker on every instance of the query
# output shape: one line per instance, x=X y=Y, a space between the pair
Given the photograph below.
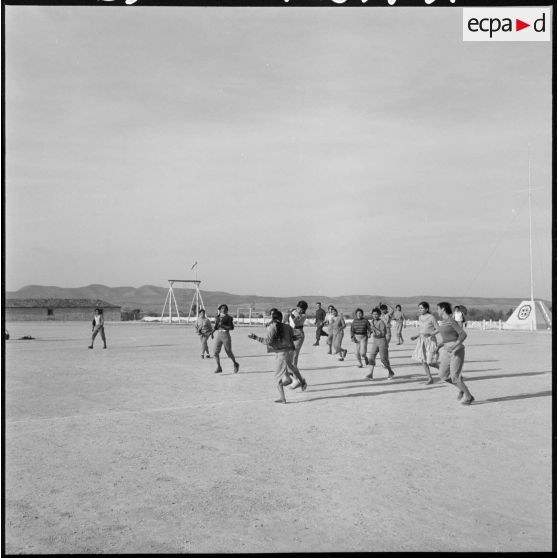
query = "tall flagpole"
x=533 y=309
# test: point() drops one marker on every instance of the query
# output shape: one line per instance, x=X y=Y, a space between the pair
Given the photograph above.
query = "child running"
x=360 y=332
x=223 y=326
x=379 y=345
x=452 y=352
x=426 y=349
x=297 y=317
x=280 y=340
x=205 y=330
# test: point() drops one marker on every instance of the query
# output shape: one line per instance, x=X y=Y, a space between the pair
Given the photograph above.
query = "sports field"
x=142 y=448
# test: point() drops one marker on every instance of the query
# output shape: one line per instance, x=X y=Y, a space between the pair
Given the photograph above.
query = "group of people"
x=285 y=337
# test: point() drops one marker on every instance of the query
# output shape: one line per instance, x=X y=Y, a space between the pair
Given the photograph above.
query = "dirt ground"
x=142 y=448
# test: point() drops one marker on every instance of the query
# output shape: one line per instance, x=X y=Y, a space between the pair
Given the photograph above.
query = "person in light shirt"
x=452 y=352
x=426 y=350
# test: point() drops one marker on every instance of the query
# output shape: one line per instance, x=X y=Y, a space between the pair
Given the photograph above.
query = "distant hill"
x=150 y=299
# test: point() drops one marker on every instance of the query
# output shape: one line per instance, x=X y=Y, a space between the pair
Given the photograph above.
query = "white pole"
x=533 y=309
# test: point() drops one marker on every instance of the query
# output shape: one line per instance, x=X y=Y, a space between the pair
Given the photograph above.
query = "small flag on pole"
x=195 y=264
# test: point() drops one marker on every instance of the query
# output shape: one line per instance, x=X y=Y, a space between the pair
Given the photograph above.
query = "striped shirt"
x=360 y=326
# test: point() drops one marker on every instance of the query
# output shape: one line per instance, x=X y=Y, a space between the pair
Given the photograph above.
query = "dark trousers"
x=320 y=332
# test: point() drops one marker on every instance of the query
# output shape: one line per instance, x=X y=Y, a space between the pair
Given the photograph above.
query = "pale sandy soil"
x=141 y=448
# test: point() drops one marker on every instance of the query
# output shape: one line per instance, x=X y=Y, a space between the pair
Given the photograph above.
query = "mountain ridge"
x=151 y=298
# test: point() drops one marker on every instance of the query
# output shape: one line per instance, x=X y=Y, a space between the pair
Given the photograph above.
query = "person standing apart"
x=329 y=329
x=280 y=340
x=360 y=332
x=426 y=350
x=458 y=316
x=98 y=326
x=379 y=345
x=205 y=330
x=320 y=319
x=452 y=352
x=387 y=315
x=399 y=319
x=223 y=326
x=338 y=326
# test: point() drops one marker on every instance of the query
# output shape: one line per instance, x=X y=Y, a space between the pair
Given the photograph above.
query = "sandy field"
x=142 y=448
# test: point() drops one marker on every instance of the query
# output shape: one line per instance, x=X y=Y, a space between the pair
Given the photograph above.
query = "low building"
x=59 y=309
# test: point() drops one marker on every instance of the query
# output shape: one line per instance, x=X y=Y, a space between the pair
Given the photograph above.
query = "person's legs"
x=319 y=330
x=95 y=332
x=227 y=344
x=384 y=356
x=281 y=360
x=358 y=349
x=372 y=358
x=329 y=341
x=216 y=350
x=298 y=345
x=203 y=341
x=293 y=369
x=457 y=359
x=425 y=365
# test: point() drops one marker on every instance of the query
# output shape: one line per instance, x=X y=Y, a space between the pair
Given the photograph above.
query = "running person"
x=379 y=345
x=297 y=317
x=386 y=315
x=452 y=352
x=360 y=332
x=205 y=330
x=426 y=349
x=280 y=340
x=98 y=326
x=327 y=323
x=223 y=326
x=320 y=319
x=399 y=319
x=338 y=326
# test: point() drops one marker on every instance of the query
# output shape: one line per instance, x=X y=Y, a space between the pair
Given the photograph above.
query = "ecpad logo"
x=506 y=24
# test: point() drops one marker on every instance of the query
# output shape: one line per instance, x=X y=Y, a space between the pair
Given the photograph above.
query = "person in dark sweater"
x=223 y=326
x=379 y=345
x=320 y=319
x=280 y=340
x=360 y=332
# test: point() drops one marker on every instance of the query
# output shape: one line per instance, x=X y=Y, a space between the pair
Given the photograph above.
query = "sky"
x=287 y=150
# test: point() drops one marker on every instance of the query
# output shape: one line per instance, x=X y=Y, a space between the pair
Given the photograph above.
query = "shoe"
x=468 y=401
x=460 y=395
x=218 y=371
x=90 y=347
x=280 y=401
x=287 y=382
x=369 y=376
x=366 y=361
x=203 y=356
x=296 y=384
x=390 y=376
x=428 y=382
x=207 y=356
x=236 y=367
x=105 y=347
x=329 y=352
x=341 y=358
x=345 y=351
x=304 y=385
x=360 y=364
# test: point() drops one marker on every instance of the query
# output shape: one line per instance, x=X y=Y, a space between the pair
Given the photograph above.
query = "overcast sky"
x=289 y=151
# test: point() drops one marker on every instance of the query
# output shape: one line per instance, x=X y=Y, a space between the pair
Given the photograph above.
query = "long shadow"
x=364 y=394
x=491 y=344
x=514 y=397
x=500 y=376
x=377 y=382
